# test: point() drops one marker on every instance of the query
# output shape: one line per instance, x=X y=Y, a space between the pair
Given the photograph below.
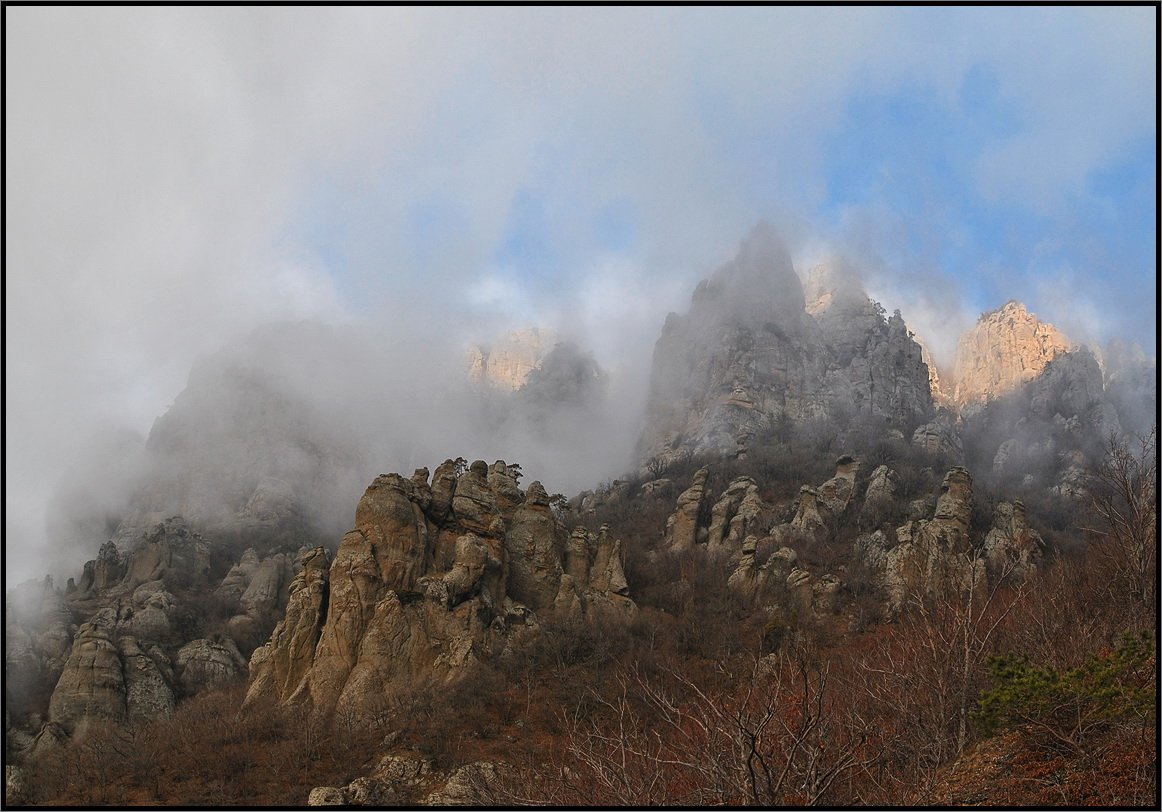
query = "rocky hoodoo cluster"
x=435 y=576
x=932 y=554
x=750 y=354
x=1006 y=348
x=116 y=646
x=930 y=557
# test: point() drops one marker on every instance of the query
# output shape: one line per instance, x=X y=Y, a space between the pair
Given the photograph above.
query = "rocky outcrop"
x=105 y=571
x=1131 y=385
x=39 y=626
x=835 y=493
x=405 y=780
x=756 y=583
x=109 y=678
x=280 y=667
x=408 y=600
x=245 y=452
x=748 y=354
x=535 y=547
x=879 y=497
x=939 y=437
x=738 y=513
x=397 y=780
x=1004 y=349
x=931 y=557
x=817 y=508
x=507 y=363
x=682 y=525
x=207 y=662
x=567 y=377
x=1011 y=546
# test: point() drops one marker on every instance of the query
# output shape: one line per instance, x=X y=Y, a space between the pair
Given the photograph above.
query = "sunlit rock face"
x=1005 y=348
x=507 y=363
x=432 y=578
x=749 y=353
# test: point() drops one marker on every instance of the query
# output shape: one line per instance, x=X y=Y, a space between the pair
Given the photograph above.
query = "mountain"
x=749 y=354
x=1007 y=347
x=812 y=517
x=507 y=363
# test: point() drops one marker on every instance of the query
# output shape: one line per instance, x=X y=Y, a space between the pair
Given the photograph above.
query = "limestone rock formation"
x=410 y=600
x=940 y=437
x=682 y=526
x=1011 y=546
x=567 y=377
x=1131 y=385
x=395 y=781
x=1005 y=348
x=749 y=354
x=880 y=495
x=932 y=557
x=280 y=667
x=1048 y=430
x=756 y=584
x=816 y=508
x=835 y=493
x=535 y=547
x=739 y=512
x=205 y=662
x=243 y=453
x=107 y=679
x=507 y=363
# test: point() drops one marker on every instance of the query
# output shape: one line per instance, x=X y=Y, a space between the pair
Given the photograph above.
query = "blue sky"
x=177 y=176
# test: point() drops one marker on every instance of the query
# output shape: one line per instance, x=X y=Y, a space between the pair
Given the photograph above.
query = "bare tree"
x=776 y=734
x=1124 y=494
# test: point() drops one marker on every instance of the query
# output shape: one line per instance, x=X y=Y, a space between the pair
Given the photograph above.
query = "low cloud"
x=178 y=176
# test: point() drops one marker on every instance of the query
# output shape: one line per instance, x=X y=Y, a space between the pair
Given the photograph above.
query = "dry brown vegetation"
x=699 y=700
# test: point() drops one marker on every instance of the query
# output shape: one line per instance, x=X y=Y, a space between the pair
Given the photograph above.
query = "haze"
x=422 y=179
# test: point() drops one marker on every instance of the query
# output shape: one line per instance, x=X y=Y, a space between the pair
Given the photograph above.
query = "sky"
x=176 y=177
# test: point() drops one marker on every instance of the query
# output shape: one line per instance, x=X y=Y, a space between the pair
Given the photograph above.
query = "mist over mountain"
x=749 y=355
x=228 y=545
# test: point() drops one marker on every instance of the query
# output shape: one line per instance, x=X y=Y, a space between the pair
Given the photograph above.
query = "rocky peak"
x=832 y=286
x=748 y=354
x=506 y=364
x=1005 y=348
x=760 y=282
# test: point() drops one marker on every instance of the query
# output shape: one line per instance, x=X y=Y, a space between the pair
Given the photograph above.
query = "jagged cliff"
x=1005 y=348
x=507 y=363
x=749 y=354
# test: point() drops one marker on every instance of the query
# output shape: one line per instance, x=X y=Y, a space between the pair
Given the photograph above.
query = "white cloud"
x=159 y=161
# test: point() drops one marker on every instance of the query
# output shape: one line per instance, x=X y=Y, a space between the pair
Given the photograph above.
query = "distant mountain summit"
x=1005 y=348
x=754 y=350
x=506 y=364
